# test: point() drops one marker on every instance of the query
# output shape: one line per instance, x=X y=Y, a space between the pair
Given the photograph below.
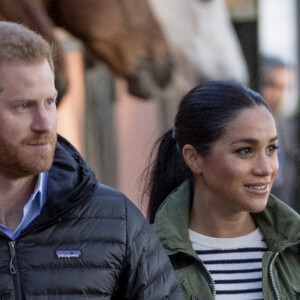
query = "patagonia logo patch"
x=67 y=253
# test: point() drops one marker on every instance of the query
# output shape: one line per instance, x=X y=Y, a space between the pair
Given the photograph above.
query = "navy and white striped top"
x=235 y=264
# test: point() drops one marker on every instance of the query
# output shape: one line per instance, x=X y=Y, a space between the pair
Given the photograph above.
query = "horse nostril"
x=163 y=72
x=138 y=87
x=149 y=76
x=62 y=88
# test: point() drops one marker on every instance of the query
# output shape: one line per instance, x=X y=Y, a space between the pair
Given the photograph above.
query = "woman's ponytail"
x=168 y=171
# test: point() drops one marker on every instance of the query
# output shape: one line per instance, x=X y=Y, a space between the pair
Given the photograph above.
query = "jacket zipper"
x=273 y=278
x=13 y=269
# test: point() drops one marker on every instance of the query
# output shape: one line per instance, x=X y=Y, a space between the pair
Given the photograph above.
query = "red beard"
x=19 y=160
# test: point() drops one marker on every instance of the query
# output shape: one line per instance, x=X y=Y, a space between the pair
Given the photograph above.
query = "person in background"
x=276 y=78
x=62 y=234
x=209 y=187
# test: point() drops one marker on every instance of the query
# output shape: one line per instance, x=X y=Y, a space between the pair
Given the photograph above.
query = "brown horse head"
x=123 y=34
x=33 y=15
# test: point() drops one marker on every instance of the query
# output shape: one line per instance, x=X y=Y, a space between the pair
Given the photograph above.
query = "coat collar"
x=278 y=223
x=171 y=221
x=71 y=182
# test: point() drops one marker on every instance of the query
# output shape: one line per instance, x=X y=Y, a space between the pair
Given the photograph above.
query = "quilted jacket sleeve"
x=148 y=273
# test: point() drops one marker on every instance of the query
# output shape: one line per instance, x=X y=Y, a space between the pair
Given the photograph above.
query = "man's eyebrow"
x=253 y=141
x=16 y=100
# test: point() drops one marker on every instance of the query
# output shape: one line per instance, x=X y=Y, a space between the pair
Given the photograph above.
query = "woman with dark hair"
x=226 y=235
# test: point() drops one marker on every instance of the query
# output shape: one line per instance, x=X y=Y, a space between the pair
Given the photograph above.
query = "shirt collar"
x=32 y=208
x=41 y=188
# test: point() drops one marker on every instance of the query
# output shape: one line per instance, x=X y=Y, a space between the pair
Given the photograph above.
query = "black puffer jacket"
x=89 y=242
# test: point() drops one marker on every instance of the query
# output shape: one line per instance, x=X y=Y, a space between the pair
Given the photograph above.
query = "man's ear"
x=192 y=158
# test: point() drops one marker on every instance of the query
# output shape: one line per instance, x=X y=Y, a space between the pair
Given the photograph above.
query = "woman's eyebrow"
x=245 y=140
x=252 y=141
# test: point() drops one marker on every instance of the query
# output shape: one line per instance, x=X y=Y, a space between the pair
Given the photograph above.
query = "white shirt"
x=235 y=264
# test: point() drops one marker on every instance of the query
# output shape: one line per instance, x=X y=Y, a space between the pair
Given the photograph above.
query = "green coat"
x=279 y=224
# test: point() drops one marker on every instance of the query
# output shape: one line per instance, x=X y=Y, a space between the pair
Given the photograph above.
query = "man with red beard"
x=62 y=234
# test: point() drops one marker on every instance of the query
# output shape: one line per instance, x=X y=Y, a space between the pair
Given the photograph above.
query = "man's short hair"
x=272 y=62
x=18 y=43
x=267 y=65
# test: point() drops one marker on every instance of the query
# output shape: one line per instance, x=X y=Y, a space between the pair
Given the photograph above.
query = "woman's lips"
x=258 y=188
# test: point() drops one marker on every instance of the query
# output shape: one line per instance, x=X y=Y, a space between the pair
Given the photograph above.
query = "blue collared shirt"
x=32 y=208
